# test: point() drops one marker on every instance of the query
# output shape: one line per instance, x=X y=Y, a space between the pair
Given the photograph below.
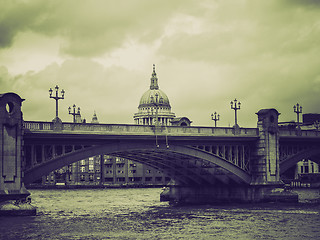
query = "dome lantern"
x=154 y=79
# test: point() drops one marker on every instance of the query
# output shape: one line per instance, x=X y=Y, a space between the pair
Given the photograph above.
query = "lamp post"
x=156 y=103
x=235 y=105
x=74 y=113
x=215 y=118
x=297 y=109
x=57 y=98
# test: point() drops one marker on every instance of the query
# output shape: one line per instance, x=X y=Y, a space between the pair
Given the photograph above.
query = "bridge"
x=207 y=164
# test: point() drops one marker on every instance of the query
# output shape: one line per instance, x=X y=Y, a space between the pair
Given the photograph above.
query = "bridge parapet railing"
x=34 y=126
x=37 y=125
x=297 y=132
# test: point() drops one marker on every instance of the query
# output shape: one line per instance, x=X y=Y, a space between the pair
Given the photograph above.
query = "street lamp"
x=57 y=98
x=155 y=102
x=74 y=113
x=297 y=109
x=215 y=118
x=235 y=105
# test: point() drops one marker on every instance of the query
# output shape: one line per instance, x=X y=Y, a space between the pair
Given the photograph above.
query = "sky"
x=266 y=54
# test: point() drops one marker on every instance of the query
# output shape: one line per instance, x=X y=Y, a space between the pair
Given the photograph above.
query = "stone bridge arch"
x=187 y=165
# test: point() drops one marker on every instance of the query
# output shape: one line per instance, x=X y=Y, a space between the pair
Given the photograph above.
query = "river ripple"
x=138 y=214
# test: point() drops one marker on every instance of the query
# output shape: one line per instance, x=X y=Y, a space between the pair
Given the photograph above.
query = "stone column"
x=11 y=184
x=265 y=166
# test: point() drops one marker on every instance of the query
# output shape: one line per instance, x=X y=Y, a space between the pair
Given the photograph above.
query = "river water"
x=139 y=214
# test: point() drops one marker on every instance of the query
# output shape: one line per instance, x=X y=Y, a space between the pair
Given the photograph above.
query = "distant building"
x=305 y=167
x=106 y=170
x=310 y=118
x=181 y=121
x=154 y=107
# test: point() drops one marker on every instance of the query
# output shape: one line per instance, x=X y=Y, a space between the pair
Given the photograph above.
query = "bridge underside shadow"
x=186 y=165
x=312 y=154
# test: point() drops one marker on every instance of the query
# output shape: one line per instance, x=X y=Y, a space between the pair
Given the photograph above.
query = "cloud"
x=16 y=16
x=89 y=28
x=113 y=92
x=258 y=54
x=207 y=53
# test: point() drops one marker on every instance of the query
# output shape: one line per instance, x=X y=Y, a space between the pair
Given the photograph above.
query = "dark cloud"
x=88 y=28
x=264 y=53
x=16 y=16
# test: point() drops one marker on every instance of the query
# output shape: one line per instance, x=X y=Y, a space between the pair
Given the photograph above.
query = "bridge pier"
x=12 y=191
x=226 y=194
x=266 y=162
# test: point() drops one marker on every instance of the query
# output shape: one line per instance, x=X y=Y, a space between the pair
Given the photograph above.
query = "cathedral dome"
x=154 y=95
x=154 y=106
x=151 y=96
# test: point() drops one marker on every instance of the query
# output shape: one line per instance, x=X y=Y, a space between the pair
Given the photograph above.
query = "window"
x=132 y=171
x=83 y=169
x=148 y=171
x=83 y=162
x=82 y=177
x=121 y=179
x=91 y=177
x=107 y=159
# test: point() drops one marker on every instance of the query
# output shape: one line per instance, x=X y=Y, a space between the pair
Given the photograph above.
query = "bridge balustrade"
x=296 y=132
x=141 y=129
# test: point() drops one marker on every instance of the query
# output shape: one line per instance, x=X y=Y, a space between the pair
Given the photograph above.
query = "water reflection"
x=138 y=214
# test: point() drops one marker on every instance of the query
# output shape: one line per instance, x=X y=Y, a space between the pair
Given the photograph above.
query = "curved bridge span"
x=192 y=156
